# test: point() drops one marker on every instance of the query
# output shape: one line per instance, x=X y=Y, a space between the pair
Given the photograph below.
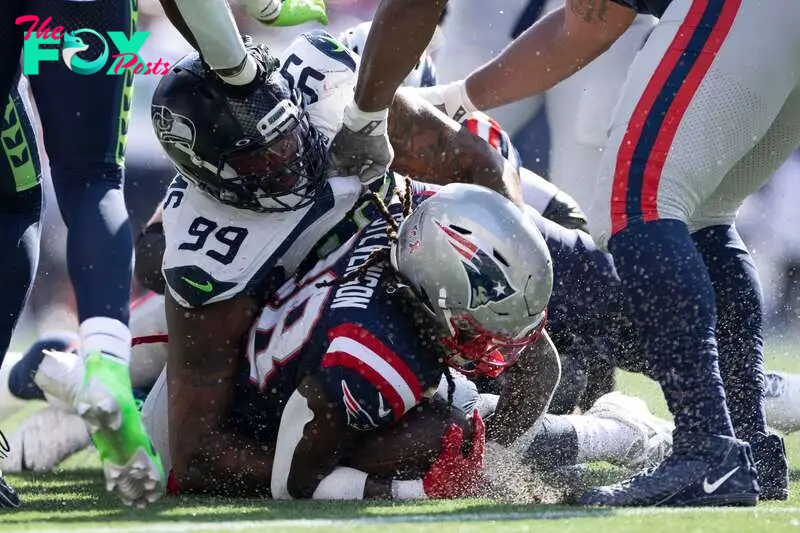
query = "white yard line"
x=231 y=525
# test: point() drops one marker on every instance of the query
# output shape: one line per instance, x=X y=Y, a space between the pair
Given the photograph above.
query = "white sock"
x=110 y=337
x=602 y=439
x=60 y=376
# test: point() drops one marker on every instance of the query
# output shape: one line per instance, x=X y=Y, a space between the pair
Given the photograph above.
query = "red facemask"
x=474 y=351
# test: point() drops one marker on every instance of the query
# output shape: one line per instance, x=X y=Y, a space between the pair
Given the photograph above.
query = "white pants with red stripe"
x=155 y=417
x=695 y=133
x=148 y=325
x=579 y=110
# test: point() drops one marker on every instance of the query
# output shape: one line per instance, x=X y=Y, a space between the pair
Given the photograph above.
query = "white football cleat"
x=654 y=435
x=44 y=439
x=782 y=401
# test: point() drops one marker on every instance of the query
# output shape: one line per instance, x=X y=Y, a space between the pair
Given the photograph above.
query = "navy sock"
x=19 y=246
x=739 y=336
x=20 y=380
x=99 y=242
x=671 y=301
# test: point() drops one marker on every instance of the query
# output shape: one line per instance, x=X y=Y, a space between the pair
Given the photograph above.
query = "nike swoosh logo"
x=339 y=46
x=204 y=287
x=382 y=411
x=708 y=488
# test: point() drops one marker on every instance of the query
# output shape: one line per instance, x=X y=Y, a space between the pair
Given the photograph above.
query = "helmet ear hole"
x=499 y=257
x=462 y=231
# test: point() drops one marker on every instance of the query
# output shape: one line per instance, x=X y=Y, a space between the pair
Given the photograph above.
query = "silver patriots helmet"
x=482 y=268
x=424 y=72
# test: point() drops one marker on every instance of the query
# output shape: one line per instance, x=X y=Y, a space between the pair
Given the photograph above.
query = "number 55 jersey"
x=375 y=360
x=216 y=252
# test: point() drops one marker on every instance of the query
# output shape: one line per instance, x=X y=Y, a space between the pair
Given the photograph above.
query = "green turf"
x=74 y=498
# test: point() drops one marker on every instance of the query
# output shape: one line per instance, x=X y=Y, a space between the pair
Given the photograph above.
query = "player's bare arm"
x=204 y=355
x=319 y=456
x=401 y=30
x=437 y=149
x=527 y=391
x=551 y=50
x=323 y=441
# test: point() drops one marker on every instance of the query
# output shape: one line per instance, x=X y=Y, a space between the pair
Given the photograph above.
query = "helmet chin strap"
x=225 y=172
x=441 y=303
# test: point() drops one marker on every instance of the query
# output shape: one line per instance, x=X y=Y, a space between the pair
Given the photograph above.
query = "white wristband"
x=452 y=97
x=366 y=122
x=411 y=489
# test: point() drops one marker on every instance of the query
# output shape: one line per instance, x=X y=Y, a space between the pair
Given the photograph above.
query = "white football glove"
x=451 y=99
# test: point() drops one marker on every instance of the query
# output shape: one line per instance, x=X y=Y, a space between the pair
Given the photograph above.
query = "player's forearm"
x=527 y=392
x=430 y=146
x=149 y=254
x=401 y=30
x=227 y=463
x=209 y=26
x=536 y=61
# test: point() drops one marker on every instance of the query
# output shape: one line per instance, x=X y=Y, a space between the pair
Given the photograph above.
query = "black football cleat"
x=8 y=496
x=769 y=454
x=703 y=470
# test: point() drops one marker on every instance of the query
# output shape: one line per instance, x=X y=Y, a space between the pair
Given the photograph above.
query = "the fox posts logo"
x=73 y=43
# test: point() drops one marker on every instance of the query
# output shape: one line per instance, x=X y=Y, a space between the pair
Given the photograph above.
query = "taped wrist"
x=452 y=97
x=412 y=489
x=365 y=122
x=344 y=483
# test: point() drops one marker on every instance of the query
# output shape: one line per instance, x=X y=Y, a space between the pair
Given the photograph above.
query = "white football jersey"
x=324 y=72
x=215 y=252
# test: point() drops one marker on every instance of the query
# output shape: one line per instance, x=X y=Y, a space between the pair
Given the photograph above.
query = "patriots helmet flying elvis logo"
x=487 y=280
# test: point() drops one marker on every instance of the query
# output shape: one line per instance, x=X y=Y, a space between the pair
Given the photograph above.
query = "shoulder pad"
x=323 y=71
x=216 y=252
x=331 y=47
x=317 y=65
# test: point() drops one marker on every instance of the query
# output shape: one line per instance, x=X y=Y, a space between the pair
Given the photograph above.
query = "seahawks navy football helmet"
x=253 y=149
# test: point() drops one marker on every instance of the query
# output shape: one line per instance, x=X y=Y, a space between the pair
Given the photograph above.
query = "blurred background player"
x=573 y=115
x=577 y=110
x=85 y=138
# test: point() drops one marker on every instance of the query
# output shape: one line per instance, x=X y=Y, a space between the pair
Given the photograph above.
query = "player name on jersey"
x=358 y=293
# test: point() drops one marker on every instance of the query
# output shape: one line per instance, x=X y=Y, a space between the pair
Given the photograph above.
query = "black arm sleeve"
x=149 y=254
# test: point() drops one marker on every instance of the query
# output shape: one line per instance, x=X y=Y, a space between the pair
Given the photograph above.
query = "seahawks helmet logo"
x=172 y=127
x=487 y=280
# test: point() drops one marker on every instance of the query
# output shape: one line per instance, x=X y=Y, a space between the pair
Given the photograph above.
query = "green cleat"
x=106 y=403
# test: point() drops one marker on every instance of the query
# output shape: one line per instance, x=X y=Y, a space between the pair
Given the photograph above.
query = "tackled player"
x=254 y=203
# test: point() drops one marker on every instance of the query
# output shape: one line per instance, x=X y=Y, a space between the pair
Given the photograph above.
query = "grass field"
x=74 y=499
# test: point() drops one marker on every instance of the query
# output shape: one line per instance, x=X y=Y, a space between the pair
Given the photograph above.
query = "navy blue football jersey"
x=374 y=362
